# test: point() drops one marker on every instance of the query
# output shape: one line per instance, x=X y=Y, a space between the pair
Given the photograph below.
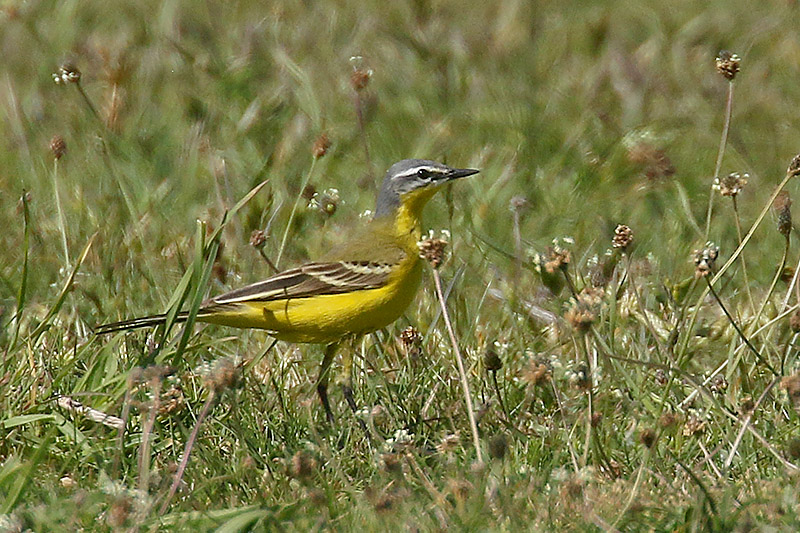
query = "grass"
x=658 y=400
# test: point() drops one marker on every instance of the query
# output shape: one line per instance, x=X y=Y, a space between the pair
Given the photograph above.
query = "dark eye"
x=422 y=173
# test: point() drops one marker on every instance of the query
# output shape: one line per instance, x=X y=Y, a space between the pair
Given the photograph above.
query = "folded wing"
x=312 y=279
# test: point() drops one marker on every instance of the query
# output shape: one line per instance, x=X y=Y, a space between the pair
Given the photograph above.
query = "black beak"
x=456 y=173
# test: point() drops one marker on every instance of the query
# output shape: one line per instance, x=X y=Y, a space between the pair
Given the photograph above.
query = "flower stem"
x=187 y=450
x=61 y=224
x=462 y=372
x=723 y=142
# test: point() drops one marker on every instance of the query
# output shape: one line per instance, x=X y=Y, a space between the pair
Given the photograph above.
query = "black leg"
x=347 y=390
x=322 y=392
x=322 y=380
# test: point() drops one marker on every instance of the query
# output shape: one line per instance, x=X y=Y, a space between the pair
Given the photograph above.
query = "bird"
x=361 y=286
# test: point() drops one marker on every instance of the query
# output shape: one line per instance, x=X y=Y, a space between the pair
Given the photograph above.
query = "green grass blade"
x=23 y=284
x=34 y=337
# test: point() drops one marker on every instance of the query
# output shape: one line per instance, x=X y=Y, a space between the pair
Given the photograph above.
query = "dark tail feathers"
x=135 y=323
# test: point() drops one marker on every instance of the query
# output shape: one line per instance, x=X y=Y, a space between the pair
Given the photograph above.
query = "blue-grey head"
x=414 y=179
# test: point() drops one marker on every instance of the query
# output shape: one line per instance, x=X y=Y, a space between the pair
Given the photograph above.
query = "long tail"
x=134 y=323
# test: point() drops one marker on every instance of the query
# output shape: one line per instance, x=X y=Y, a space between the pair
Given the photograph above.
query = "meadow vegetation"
x=629 y=326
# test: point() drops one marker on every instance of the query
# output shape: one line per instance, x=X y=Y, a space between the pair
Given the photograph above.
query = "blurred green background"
x=206 y=100
x=595 y=113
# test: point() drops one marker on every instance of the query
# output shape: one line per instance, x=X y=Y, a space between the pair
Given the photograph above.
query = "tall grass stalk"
x=682 y=352
x=62 y=225
x=745 y=277
x=723 y=143
x=461 y=369
x=176 y=481
x=293 y=212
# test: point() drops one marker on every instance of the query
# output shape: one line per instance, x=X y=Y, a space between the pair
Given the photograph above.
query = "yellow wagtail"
x=359 y=287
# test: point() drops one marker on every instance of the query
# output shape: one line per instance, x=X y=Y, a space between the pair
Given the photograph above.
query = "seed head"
x=647 y=437
x=583 y=309
x=432 y=250
x=157 y=373
x=654 y=161
x=783 y=208
x=359 y=79
x=694 y=425
x=67 y=73
x=580 y=316
x=119 y=511
x=491 y=360
x=411 y=341
x=728 y=64
x=551 y=263
x=326 y=202
x=321 y=146
x=582 y=378
x=58 y=146
x=223 y=374
x=591 y=296
x=623 y=237
x=517 y=204
x=330 y=202
x=732 y=184
x=391 y=462
x=794 y=321
x=704 y=259
x=719 y=385
x=303 y=465
x=537 y=372
x=172 y=400
x=794 y=166
x=258 y=238
x=498 y=446
x=556 y=258
x=668 y=420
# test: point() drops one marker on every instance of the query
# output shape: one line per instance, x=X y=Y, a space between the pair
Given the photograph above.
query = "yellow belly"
x=327 y=318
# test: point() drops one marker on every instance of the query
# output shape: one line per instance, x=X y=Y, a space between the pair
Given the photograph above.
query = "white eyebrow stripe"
x=414 y=170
